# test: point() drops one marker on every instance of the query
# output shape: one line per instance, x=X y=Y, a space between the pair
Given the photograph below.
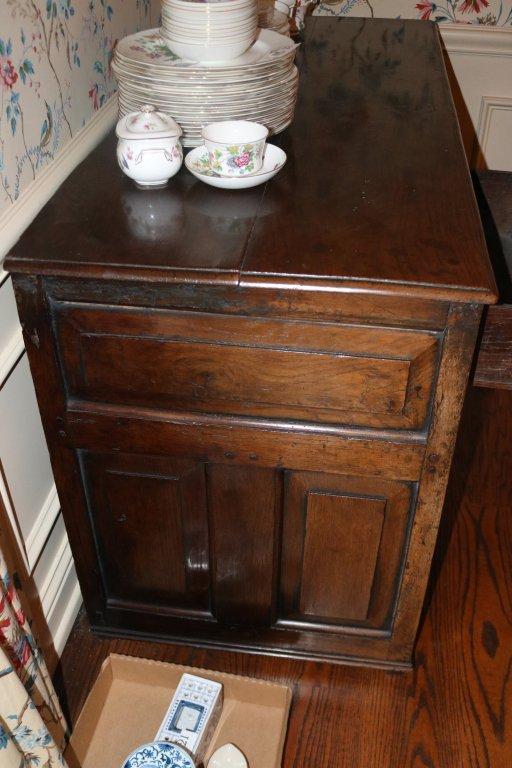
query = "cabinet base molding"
x=236 y=646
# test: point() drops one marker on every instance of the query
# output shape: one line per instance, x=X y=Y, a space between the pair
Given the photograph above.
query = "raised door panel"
x=342 y=550
x=337 y=528
x=150 y=524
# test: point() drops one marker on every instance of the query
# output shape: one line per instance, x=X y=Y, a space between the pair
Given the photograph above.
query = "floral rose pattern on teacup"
x=237 y=159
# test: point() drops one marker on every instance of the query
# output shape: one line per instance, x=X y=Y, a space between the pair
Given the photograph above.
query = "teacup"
x=235 y=147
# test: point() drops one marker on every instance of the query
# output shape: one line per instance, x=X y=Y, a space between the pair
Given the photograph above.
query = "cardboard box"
x=130 y=697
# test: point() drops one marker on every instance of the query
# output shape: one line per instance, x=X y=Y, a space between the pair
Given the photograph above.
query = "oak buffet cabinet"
x=251 y=399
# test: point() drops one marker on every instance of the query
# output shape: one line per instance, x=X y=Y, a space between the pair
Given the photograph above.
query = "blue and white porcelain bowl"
x=159 y=754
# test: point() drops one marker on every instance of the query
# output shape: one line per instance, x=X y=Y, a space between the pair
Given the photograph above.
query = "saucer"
x=198 y=164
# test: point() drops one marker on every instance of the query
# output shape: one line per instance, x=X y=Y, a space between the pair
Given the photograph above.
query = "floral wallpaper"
x=54 y=74
x=487 y=12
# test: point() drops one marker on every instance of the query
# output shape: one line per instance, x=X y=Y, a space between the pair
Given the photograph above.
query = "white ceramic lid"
x=148 y=123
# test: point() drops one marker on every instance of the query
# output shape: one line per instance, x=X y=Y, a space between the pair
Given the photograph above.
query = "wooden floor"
x=455 y=709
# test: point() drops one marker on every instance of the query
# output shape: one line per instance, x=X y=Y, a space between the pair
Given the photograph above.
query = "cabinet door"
x=150 y=525
x=342 y=550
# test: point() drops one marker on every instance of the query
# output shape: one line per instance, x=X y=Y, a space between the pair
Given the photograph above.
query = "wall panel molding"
x=477 y=40
x=7 y=502
x=59 y=592
x=490 y=108
x=66 y=610
x=15 y=219
x=43 y=524
x=10 y=354
x=479 y=62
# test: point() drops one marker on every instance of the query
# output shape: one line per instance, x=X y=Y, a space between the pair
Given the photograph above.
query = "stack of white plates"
x=259 y=85
x=217 y=30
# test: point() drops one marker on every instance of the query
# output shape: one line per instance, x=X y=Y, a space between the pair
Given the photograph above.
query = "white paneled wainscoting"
x=479 y=61
x=27 y=487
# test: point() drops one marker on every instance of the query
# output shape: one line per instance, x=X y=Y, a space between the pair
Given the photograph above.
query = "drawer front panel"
x=321 y=372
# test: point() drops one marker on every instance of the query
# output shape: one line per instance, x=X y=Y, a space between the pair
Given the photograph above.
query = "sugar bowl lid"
x=147 y=123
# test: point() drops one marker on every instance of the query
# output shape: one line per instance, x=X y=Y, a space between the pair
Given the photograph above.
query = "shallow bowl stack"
x=209 y=31
x=259 y=85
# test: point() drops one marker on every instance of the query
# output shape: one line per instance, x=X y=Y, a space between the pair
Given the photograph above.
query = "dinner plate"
x=212 y=104
x=179 y=75
x=187 y=119
x=278 y=76
x=193 y=84
x=196 y=95
x=197 y=163
x=149 y=47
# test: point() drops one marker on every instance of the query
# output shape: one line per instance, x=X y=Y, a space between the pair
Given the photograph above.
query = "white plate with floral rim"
x=194 y=91
x=199 y=93
x=150 y=48
x=196 y=113
x=198 y=163
x=184 y=77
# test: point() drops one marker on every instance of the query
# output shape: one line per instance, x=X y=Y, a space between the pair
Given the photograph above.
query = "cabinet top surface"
x=375 y=195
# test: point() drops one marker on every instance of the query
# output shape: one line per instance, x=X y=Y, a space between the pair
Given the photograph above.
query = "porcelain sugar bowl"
x=149 y=149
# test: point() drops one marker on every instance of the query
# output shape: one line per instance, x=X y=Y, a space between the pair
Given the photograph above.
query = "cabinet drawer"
x=322 y=372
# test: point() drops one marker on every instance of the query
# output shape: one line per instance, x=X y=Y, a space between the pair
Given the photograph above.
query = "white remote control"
x=192 y=715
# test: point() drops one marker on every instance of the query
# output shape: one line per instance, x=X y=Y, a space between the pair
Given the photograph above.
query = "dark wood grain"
x=244 y=538
x=494 y=361
x=324 y=372
x=155 y=505
x=494 y=196
x=458 y=352
x=455 y=709
x=357 y=200
x=259 y=301
x=251 y=442
x=367 y=94
x=341 y=544
x=353 y=530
